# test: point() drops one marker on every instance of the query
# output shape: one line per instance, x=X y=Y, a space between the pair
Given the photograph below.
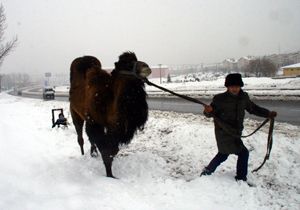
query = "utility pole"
x=279 y=57
x=159 y=73
x=0 y=82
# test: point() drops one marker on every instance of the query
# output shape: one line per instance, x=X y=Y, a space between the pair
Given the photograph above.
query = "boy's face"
x=234 y=90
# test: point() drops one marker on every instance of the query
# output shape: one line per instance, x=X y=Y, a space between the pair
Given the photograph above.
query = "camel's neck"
x=128 y=95
x=129 y=109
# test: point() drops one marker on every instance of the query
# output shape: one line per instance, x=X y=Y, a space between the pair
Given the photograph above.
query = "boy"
x=230 y=108
x=60 y=121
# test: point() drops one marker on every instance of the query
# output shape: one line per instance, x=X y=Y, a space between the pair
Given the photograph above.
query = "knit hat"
x=234 y=80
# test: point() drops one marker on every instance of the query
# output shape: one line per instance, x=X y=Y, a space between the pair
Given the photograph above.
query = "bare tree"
x=261 y=67
x=16 y=80
x=5 y=47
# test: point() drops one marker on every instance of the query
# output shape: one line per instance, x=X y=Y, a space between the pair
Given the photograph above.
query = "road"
x=288 y=111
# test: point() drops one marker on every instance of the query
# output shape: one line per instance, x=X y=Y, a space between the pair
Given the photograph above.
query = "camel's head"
x=129 y=65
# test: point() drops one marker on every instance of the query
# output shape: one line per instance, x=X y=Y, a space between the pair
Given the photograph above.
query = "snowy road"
x=41 y=168
x=288 y=111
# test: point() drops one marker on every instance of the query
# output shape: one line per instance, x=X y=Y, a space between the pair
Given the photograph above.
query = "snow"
x=63 y=88
x=41 y=168
x=215 y=81
x=212 y=81
x=210 y=84
x=296 y=65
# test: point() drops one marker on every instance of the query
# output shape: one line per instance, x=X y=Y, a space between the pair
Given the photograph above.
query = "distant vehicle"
x=48 y=93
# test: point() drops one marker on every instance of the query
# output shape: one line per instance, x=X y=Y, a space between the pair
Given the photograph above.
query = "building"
x=160 y=71
x=230 y=64
x=291 y=70
x=284 y=59
x=243 y=62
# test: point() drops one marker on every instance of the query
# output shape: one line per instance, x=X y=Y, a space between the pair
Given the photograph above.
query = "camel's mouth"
x=145 y=72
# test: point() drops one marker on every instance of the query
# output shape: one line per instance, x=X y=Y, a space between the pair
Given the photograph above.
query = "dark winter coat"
x=230 y=109
x=60 y=121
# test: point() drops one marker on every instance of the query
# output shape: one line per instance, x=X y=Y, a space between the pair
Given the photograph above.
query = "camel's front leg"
x=108 y=157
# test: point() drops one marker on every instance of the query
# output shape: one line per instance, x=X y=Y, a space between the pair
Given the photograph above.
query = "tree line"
x=260 y=67
x=15 y=81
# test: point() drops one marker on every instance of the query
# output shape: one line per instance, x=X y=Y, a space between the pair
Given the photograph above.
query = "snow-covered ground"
x=41 y=168
x=217 y=81
x=209 y=85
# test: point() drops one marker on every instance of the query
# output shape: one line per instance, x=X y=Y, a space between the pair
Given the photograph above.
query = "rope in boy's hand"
x=208 y=108
x=272 y=114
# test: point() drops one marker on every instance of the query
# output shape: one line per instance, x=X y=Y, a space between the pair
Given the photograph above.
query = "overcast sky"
x=52 y=33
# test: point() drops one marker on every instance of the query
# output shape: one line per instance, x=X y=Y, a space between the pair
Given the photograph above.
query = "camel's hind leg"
x=94 y=152
x=78 y=123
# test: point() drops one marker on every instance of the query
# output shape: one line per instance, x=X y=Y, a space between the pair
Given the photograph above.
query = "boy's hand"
x=208 y=109
x=272 y=114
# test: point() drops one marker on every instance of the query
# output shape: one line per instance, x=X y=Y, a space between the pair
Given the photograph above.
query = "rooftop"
x=296 y=65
